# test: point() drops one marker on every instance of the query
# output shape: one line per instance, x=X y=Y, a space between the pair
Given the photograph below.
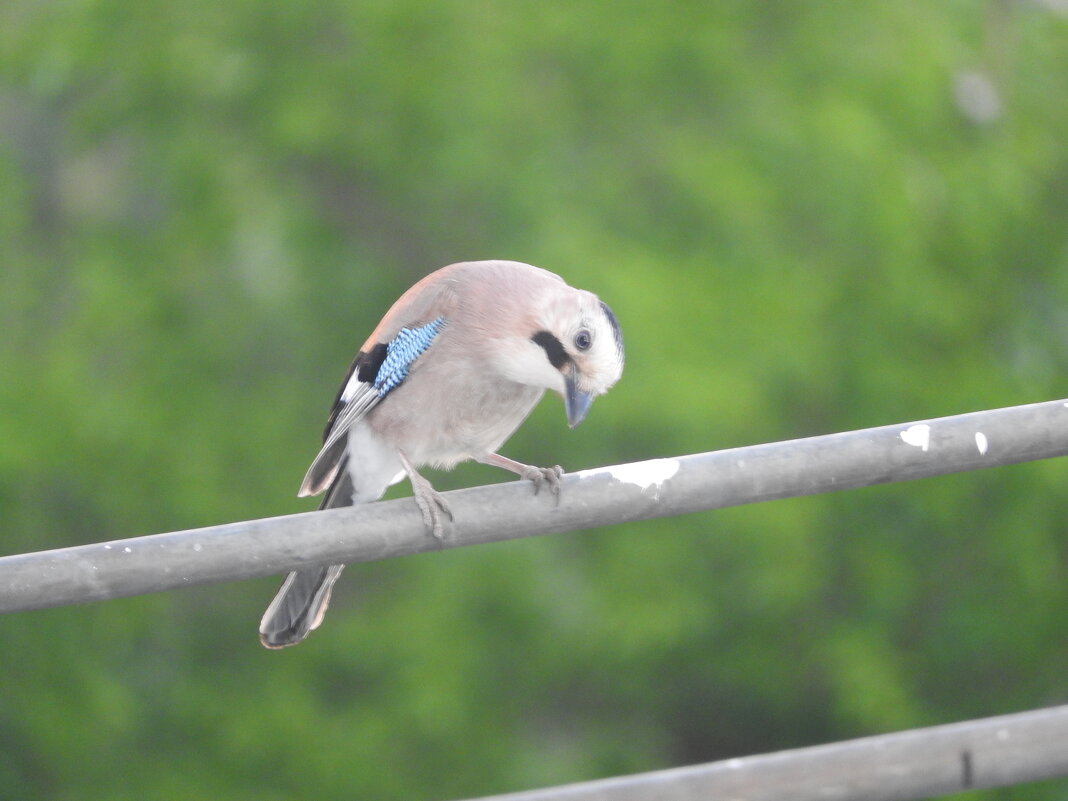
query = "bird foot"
x=433 y=506
x=543 y=475
x=539 y=475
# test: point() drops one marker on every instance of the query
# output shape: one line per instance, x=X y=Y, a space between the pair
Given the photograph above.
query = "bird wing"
x=404 y=334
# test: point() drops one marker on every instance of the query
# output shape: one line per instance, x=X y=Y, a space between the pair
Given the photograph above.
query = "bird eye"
x=583 y=340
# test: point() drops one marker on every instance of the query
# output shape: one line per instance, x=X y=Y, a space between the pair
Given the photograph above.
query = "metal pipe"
x=919 y=763
x=590 y=498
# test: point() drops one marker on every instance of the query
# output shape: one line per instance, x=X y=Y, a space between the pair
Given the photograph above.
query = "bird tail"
x=301 y=602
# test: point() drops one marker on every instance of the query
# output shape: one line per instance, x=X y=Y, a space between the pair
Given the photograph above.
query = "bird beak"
x=576 y=401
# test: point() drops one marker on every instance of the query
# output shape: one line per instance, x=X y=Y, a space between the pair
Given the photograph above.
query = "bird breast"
x=440 y=418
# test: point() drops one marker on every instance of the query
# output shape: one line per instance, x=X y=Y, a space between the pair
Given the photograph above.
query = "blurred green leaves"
x=804 y=223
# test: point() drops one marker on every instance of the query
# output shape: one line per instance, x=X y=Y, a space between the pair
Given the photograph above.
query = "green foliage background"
x=809 y=217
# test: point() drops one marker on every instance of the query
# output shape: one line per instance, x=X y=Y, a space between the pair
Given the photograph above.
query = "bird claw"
x=433 y=506
x=541 y=475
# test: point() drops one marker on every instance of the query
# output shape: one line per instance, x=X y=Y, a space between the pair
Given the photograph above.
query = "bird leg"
x=430 y=502
x=539 y=475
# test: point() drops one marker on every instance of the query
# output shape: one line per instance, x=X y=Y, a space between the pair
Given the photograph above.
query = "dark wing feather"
x=324 y=468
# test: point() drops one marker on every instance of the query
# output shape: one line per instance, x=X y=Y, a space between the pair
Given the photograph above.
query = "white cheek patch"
x=645 y=475
x=524 y=362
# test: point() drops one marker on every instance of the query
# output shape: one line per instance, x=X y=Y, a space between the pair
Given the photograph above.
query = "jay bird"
x=450 y=372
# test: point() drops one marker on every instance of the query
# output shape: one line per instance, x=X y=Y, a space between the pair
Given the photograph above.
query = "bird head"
x=540 y=332
x=581 y=347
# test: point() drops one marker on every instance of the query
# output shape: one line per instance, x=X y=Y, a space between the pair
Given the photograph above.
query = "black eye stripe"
x=553 y=349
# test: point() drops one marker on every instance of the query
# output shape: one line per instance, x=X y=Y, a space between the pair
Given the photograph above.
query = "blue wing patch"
x=405 y=348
